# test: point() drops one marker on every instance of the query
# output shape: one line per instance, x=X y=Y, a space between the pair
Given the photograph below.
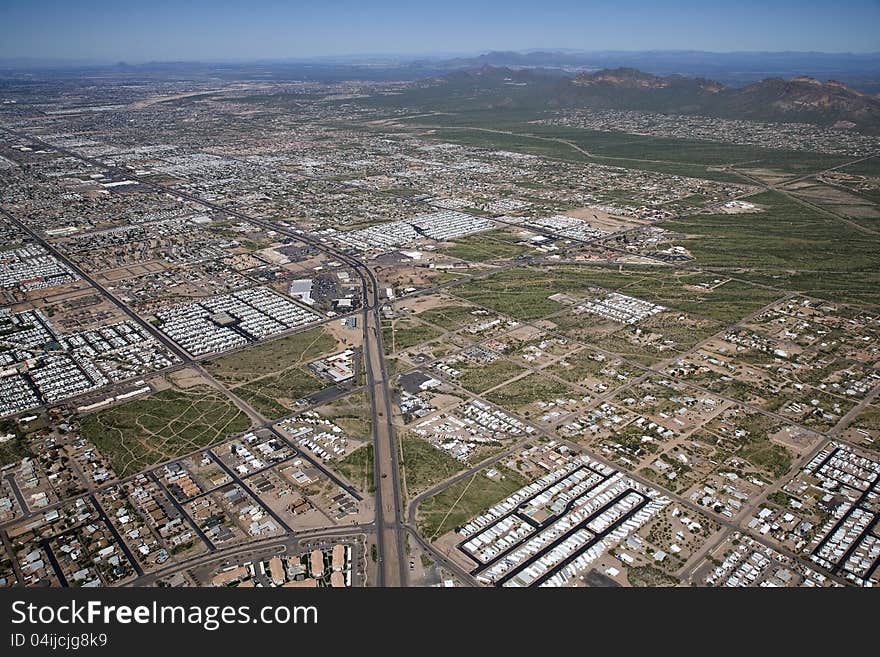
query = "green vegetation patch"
x=270 y=376
x=869 y=419
x=869 y=167
x=479 y=378
x=163 y=426
x=513 y=128
x=767 y=456
x=495 y=245
x=405 y=333
x=352 y=413
x=649 y=340
x=580 y=367
x=357 y=467
x=14 y=449
x=677 y=290
x=454 y=506
x=424 y=465
x=272 y=357
x=790 y=246
x=450 y=316
x=543 y=144
x=275 y=395
x=649 y=576
x=530 y=389
x=523 y=292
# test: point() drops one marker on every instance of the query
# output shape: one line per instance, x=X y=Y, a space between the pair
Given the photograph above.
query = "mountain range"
x=799 y=99
x=858 y=70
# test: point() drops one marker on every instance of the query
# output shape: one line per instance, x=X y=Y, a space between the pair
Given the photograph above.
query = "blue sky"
x=224 y=30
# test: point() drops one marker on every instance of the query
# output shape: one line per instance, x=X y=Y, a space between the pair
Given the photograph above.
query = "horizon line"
x=413 y=57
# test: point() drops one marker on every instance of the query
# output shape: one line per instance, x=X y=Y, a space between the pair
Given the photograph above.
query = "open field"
x=789 y=245
x=773 y=459
x=686 y=151
x=756 y=448
x=580 y=367
x=271 y=357
x=404 y=333
x=604 y=145
x=869 y=167
x=351 y=413
x=495 y=245
x=523 y=292
x=358 y=468
x=650 y=576
x=859 y=206
x=423 y=465
x=449 y=316
x=519 y=395
x=160 y=427
x=544 y=147
x=865 y=429
x=618 y=144
x=270 y=376
x=12 y=449
x=520 y=293
x=652 y=339
x=676 y=290
x=274 y=395
x=687 y=157
x=453 y=506
x=480 y=378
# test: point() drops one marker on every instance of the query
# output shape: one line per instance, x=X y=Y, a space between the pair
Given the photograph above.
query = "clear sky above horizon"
x=104 y=30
